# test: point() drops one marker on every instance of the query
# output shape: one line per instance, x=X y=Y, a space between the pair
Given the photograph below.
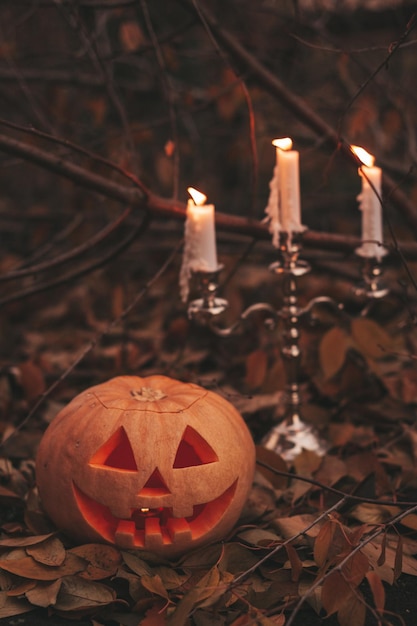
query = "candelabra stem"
x=292 y=434
x=290 y=350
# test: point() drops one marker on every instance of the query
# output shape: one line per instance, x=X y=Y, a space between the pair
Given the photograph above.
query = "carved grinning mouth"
x=152 y=528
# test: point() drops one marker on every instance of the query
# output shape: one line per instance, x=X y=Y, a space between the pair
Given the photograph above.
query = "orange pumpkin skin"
x=146 y=463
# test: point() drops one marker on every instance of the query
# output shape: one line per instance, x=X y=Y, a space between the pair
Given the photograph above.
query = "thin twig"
x=381 y=529
x=338 y=492
x=412 y=23
x=82 y=271
x=41 y=251
x=38 y=113
x=282 y=545
x=169 y=90
x=71 y=254
x=73 y=147
x=74 y=19
x=252 y=128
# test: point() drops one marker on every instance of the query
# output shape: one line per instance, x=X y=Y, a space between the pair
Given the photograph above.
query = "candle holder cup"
x=208 y=305
x=372 y=286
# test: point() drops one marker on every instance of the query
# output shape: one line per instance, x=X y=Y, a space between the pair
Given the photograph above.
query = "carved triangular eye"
x=193 y=450
x=155 y=485
x=116 y=453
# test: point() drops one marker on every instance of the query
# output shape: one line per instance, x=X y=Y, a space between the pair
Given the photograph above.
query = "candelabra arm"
x=206 y=309
x=323 y=302
x=270 y=320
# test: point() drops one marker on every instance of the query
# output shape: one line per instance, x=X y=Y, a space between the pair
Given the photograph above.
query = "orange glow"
x=283 y=144
x=364 y=156
x=198 y=197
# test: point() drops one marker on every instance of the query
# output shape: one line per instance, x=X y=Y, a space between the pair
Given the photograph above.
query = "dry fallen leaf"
x=256 y=368
x=22 y=542
x=378 y=590
x=155 y=585
x=13 y=606
x=332 y=351
x=353 y=611
x=206 y=587
x=49 y=552
x=102 y=560
x=77 y=594
x=371 y=338
x=259 y=537
x=44 y=594
x=27 y=567
x=131 y=36
x=276 y=462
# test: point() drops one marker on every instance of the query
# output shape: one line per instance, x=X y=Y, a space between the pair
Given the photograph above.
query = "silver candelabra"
x=291 y=434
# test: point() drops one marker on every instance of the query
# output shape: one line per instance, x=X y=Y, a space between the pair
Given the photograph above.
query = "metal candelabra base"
x=291 y=436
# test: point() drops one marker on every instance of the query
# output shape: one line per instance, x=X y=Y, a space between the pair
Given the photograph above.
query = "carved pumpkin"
x=146 y=463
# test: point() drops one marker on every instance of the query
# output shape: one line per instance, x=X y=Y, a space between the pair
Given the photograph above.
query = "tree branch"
x=164 y=207
x=77 y=174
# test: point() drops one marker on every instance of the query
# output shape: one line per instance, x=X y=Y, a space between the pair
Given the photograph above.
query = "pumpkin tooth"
x=153 y=533
x=179 y=529
x=125 y=534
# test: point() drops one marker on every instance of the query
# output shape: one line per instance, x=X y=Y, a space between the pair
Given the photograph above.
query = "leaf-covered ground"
x=320 y=536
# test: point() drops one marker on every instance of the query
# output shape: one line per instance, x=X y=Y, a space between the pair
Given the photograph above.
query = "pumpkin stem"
x=148 y=394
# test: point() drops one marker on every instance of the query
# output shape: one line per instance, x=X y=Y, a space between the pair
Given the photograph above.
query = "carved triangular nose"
x=155 y=485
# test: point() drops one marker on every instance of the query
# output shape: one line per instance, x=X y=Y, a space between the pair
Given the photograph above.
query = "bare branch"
x=167 y=208
x=71 y=254
x=87 y=268
x=72 y=171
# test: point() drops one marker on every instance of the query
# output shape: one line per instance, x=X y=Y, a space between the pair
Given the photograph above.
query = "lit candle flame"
x=283 y=144
x=144 y=509
x=198 y=197
x=364 y=156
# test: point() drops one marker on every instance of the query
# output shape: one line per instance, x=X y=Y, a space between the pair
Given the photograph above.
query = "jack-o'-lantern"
x=146 y=463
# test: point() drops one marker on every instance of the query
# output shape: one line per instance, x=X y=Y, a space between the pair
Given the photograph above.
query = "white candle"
x=200 y=240
x=370 y=205
x=284 y=206
x=288 y=185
